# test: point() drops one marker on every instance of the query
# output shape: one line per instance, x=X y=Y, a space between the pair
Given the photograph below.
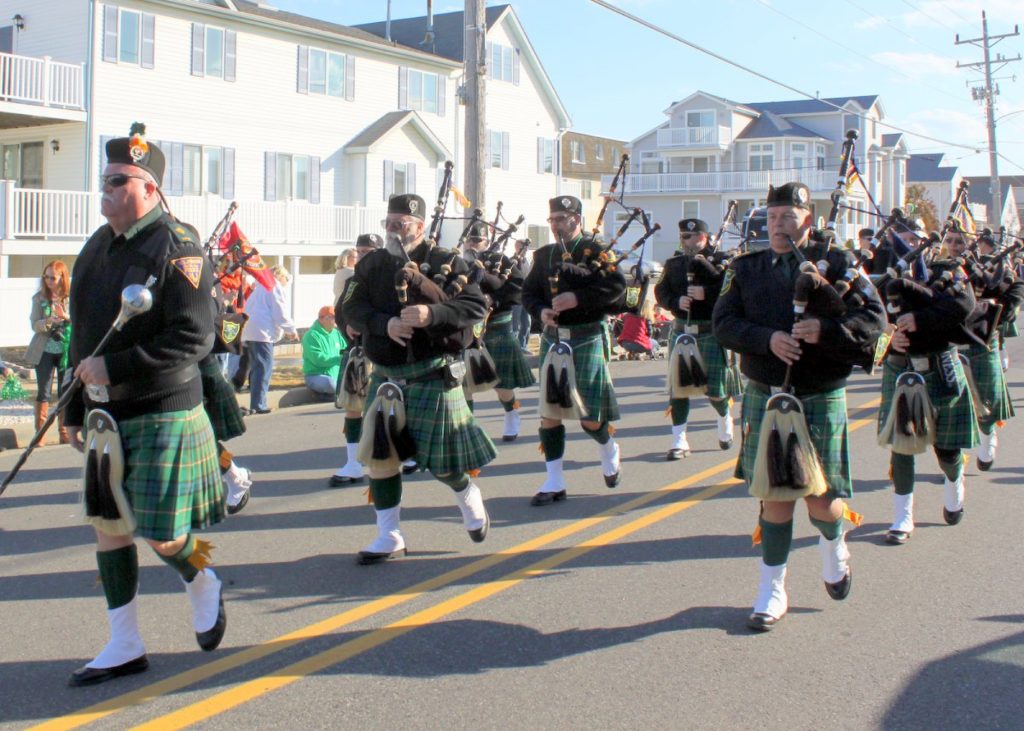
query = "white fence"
x=41 y=81
x=694 y=136
x=719 y=182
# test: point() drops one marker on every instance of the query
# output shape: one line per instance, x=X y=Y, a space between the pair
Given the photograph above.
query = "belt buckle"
x=920 y=364
x=97 y=394
x=774 y=390
x=691 y=329
x=400 y=382
x=564 y=333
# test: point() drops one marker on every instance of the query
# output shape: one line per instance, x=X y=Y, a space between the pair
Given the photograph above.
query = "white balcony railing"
x=721 y=182
x=62 y=214
x=42 y=81
x=719 y=136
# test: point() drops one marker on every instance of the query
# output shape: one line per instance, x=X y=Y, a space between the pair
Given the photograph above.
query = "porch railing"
x=42 y=81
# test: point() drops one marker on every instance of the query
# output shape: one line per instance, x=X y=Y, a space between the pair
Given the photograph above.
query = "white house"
x=980 y=192
x=712 y=150
x=308 y=125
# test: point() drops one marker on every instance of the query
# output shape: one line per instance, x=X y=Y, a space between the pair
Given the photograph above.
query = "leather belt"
x=696 y=327
x=146 y=387
x=584 y=330
x=797 y=391
x=920 y=363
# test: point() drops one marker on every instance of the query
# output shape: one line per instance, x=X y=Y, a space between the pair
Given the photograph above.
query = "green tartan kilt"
x=513 y=370
x=720 y=385
x=171 y=473
x=955 y=420
x=826 y=421
x=448 y=438
x=593 y=381
x=991 y=382
x=220 y=402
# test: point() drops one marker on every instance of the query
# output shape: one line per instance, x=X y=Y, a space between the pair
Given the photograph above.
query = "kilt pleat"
x=513 y=370
x=593 y=381
x=172 y=477
x=825 y=414
x=447 y=436
x=220 y=402
x=991 y=381
x=955 y=420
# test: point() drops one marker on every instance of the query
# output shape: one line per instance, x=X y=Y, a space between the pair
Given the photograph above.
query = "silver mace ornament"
x=136 y=299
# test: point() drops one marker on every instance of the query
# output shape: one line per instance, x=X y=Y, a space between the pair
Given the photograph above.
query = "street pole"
x=988 y=94
x=475 y=74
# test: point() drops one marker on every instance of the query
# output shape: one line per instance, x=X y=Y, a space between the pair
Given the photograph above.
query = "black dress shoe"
x=613 y=480
x=340 y=481
x=509 y=437
x=762 y=622
x=260 y=411
x=841 y=589
x=546 y=498
x=897 y=537
x=233 y=509
x=952 y=517
x=984 y=466
x=676 y=454
x=86 y=675
x=409 y=469
x=724 y=445
x=368 y=558
x=210 y=639
x=480 y=533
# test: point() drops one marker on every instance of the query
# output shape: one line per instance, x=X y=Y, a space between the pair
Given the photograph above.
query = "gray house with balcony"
x=711 y=150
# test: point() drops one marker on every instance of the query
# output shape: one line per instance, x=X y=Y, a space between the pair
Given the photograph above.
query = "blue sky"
x=616 y=77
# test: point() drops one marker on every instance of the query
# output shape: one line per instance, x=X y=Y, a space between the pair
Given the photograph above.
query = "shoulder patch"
x=730 y=274
x=191 y=267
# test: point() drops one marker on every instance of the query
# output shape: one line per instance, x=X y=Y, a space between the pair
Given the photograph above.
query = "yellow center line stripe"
x=363 y=611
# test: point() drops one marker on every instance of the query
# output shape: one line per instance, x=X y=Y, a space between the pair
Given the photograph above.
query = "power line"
x=927 y=15
x=758 y=74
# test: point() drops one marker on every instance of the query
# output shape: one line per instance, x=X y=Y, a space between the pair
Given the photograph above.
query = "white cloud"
x=953 y=125
x=917 y=65
x=870 y=23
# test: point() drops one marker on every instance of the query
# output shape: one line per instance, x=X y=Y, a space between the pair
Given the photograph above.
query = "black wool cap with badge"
x=693 y=226
x=408 y=204
x=796 y=195
x=369 y=241
x=136 y=150
x=565 y=204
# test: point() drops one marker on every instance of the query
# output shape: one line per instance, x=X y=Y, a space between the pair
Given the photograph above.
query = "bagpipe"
x=620 y=176
x=231 y=256
x=638 y=283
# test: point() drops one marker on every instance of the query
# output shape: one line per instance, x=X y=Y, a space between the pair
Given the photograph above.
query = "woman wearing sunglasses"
x=48 y=350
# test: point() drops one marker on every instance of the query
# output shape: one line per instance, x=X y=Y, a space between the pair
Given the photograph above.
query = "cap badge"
x=801 y=194
x=413 y=206
x=690 y=225
x=566 y=203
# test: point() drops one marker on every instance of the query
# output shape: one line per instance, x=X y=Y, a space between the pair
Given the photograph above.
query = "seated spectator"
x=637 y=329
x=321 y=354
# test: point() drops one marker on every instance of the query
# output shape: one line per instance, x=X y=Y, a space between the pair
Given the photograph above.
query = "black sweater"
x=596 y=293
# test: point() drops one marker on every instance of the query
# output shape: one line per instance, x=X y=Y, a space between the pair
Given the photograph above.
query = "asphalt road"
x=616 y=609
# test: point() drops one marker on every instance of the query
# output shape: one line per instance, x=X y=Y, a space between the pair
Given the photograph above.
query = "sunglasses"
x=118 y=180
x=688 y=236
x=395 y=225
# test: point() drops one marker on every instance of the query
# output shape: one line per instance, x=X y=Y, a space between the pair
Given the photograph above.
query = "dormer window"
x=700 y=119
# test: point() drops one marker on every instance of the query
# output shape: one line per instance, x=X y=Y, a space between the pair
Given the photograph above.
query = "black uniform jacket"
x=504 y=294
x=597 y=293
x=371 y=301
x=757 y=299
x=941 y=321
x=673 y=285
x=154 y=347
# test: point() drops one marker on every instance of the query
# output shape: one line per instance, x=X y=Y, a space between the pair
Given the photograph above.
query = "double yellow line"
x=238 y=695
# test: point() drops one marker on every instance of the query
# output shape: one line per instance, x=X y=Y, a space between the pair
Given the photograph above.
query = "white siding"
x=54 y=28
x=63 y=170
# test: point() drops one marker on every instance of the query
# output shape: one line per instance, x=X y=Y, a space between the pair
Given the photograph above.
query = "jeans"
x=261 y=366
x=521 y=325
x=48 y=365
x=321 y=385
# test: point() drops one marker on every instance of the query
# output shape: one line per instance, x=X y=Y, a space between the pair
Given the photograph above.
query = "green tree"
x=919 y=205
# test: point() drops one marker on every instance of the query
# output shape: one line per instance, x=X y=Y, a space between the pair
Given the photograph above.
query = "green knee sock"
x=119 y=574
x=599 y=435
x=508 y=405
x=680 y=410
x=901 y=467
x=386 y=492
x=831 y=529
x=552 y=441
x=179 y=561
x=720 y=405
x=457 y=481
x=775 y=541
x=951 y=463
x=353 y=429
x=986 y=424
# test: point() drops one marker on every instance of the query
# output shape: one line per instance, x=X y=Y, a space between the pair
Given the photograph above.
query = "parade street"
x=621 y=608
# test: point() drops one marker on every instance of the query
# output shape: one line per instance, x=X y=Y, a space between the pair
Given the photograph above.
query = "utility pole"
x=987 y=95
x=473 y=95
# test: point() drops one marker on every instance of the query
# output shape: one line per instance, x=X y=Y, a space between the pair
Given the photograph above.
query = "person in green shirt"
x=321 y=354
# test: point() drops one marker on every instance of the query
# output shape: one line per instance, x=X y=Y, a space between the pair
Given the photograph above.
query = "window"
x=799 y=155
x=850 y=121
x=545 y=155
x=702 y=164
x=819 y=154
x=326 y=73
x=422 y=91
x=651 y=162
x=130 y=40
x=128 y=36
x=700 y=119
x=202 y=170
x=586 y=189
x=213 y=167
x=214 y=52
x=691 y=209
x=399 y=178
x=497 y=149
x=576 y=151
x=762 y=157
x=502 y=62
x=599 y=151
x=293 y=178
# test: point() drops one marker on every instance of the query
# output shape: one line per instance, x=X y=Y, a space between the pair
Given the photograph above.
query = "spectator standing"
x=344 y=267
x=48 y=350
x=268 y=321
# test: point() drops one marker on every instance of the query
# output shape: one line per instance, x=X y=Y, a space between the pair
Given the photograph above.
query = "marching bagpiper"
x=689 y=288
x=415 y=346
x=572 y=286
x=501 y=281
x=808 y=359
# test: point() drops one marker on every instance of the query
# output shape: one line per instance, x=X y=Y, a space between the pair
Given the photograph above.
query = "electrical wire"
x=930 y=17
x=758 y=74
